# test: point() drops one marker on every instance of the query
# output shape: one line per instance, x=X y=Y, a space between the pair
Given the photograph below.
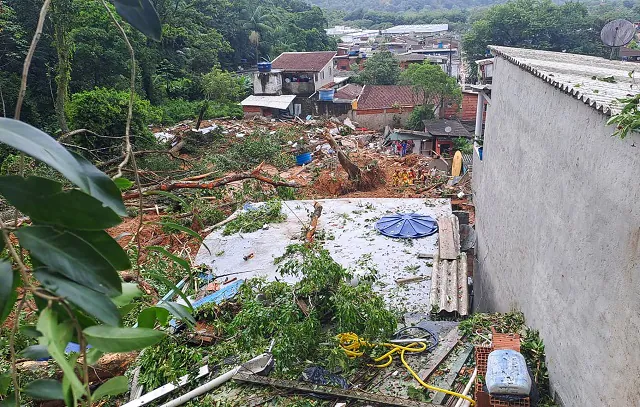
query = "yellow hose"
x=351 y=344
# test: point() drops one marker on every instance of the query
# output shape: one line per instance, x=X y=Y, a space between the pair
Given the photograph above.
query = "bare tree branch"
x=27 y=60
x=170 y=186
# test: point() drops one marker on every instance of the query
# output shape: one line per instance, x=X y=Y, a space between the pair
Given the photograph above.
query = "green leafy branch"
x=628 y=120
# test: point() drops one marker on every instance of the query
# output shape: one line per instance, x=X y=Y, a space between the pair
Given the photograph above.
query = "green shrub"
x=215 y=110
x=419 y=114
x=177 y=110
x=463 y=145
x=104 y=111
x=251 y=151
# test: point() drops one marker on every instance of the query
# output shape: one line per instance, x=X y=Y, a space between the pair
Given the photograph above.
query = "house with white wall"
x=295 y=73
x=558 y=219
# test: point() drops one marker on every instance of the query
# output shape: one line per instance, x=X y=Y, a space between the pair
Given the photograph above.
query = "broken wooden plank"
x=448 y=237
x=444 y=348
x=333 y=391
x=446 y=382
x=408 y=280
x=426 y=255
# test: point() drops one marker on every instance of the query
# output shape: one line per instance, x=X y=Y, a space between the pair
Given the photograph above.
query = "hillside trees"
x=536 y=24
x=79 y=49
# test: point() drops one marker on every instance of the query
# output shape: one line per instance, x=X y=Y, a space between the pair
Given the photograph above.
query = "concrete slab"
x=348 y=227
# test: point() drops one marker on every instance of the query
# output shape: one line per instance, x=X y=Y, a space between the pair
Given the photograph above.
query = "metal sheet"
x=281 y=102
x=449 y=290
x=586 y=78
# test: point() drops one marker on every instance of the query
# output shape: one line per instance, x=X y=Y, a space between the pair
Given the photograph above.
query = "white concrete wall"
x=267 y=83
x=325 y=76
x=558 y=228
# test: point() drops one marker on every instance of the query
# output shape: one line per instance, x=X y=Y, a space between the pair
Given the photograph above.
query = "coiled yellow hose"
x=351 y=344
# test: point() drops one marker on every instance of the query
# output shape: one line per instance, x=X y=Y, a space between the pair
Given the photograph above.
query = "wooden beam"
x=333 y=391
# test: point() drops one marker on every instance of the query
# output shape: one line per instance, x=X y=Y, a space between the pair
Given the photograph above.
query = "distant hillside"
x=401 y=5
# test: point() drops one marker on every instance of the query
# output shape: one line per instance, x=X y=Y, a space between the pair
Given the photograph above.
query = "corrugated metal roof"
x=416 y=28
x=595 y=81
x=274 y=102
x=449 y=289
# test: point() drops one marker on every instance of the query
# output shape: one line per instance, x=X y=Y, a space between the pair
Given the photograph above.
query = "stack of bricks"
x=500 y=341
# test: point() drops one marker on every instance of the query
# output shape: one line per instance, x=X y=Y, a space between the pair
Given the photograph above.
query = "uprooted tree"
x=362 y=180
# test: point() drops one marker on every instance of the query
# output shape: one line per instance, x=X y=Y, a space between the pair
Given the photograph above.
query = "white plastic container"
x=507 y=373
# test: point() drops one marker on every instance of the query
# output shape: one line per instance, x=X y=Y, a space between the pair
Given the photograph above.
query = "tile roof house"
x=387 y=97
x=384 y=105
x=303 y=61
x=296 y=73
x=348 y=92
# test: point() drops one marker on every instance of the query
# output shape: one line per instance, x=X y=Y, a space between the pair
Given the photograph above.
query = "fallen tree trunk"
x=170 y=186
x=354 y=172
x=108 y=366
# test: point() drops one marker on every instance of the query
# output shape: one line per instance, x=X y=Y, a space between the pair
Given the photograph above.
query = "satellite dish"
x=617 y=33
x=448 y=129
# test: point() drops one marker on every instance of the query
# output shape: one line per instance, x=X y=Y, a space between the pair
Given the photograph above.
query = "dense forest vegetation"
x=81 y=51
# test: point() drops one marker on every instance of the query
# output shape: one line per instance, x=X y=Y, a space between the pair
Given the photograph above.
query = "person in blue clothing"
x=404 y=148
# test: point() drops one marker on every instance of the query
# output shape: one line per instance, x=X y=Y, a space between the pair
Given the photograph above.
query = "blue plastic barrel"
x=264 y=66
x=326 y=94
x=303 y=159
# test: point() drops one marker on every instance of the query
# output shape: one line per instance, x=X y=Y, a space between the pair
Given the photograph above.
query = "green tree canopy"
x=536 y=24
x=381 y=69
x=432 y=84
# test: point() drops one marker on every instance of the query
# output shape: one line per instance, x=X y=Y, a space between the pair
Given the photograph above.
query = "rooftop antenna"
x=616 y=34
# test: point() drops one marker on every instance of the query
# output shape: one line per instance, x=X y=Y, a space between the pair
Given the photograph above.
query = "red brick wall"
x=342 y=64
x=468 y=111
x=252 y=109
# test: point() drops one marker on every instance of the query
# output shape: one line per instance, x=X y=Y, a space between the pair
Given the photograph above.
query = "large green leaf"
x=179 y=311
x=9 y=282
x=147 y=317
x=76 y=169
x=44 y=389
x=142 y=17
x=5 y=381
x=111 y=339
x=44 y=201
x=94 y=355
x=129 y=292
x=88 y=300
x=35 y=352
x=122 y=183
x=112 y=387
x=71 y=256
x=55 y=337
x=101 y=186
x=30 y=331
x=107 y=246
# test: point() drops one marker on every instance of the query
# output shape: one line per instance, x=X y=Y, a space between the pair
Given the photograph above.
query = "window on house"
x=322 y=74
x=316 y=77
